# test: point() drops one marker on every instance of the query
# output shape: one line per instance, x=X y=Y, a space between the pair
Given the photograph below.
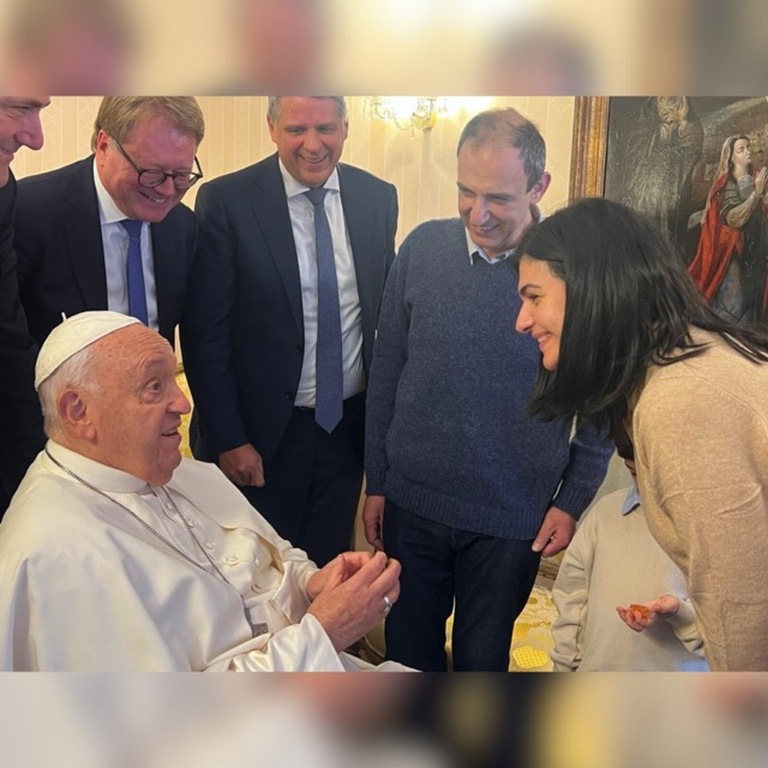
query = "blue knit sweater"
x=447 y=432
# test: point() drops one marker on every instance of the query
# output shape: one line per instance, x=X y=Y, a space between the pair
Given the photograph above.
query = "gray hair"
x=273 y=107
x=507 y=127
x=74 y=373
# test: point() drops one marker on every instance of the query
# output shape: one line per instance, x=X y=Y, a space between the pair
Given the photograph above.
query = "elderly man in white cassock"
x=117 y=554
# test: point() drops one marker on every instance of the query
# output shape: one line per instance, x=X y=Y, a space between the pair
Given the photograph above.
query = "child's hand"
x=640 y=616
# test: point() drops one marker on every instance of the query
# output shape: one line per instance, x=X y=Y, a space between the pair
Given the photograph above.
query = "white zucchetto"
x=75 y=334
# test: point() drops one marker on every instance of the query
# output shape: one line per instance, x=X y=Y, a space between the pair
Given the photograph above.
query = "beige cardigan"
x=700 y=429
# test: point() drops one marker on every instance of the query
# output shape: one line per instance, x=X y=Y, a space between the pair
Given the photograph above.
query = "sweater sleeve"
x=683 y=624
x=302 y=647
x=590 y=453
x=569 y=594
x=390 y=353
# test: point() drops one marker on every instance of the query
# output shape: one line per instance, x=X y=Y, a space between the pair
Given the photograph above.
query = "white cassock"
x=85 y=587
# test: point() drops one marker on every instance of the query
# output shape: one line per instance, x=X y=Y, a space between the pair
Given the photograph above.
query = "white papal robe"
x=84 y=586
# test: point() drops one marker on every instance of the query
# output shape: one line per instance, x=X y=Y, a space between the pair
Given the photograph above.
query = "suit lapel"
x=83 y=234
x=357 y=217
x=170 y=266
x=270 y=207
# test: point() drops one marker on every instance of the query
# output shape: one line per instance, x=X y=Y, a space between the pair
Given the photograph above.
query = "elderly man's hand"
x=336 y=572
x=350 y=608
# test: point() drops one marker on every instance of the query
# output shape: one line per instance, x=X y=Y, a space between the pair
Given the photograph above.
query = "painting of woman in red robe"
x=729 y=267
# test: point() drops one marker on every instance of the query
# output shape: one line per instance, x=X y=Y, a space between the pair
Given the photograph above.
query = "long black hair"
x=629 y=303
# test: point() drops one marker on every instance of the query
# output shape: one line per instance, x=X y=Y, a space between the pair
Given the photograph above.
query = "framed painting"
x=695 y=166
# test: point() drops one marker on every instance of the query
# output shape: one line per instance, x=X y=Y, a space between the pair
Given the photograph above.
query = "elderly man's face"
x=310 y=136
x=153 y=143
x=136 y=412
x=19 y=127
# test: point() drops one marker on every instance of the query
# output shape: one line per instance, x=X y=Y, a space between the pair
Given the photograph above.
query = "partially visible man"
x=21 y=436
x=107 y=232
x=116 y=554
x=278 y=332
x=471 y=490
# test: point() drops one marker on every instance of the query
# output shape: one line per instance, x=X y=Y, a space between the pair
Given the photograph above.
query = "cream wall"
x=421 y=166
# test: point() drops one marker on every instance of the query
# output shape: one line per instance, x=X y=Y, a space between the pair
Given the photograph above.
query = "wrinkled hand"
x=555 y=533
x=349 y=609
x=373 y=514
x=336 y=572
x=663 y=607
x=243 y=465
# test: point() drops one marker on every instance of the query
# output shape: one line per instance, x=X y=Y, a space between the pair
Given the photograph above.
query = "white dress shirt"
x=303 y=224
x=115 y=240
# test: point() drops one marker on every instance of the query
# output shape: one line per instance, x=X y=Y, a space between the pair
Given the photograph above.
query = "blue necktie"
x=137 y=297
x=329 y=394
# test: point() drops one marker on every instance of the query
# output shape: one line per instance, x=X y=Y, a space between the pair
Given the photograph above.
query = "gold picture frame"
x=589 y=147
x=661 y=155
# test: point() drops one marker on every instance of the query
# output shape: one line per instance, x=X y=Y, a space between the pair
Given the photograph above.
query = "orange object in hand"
x=644 y=612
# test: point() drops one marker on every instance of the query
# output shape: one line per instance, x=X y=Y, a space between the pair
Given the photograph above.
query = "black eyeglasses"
x=154 y=177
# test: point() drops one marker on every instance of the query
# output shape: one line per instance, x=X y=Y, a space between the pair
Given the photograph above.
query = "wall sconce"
x=408 y=113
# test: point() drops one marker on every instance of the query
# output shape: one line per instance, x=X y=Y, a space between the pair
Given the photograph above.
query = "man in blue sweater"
x=463 y=487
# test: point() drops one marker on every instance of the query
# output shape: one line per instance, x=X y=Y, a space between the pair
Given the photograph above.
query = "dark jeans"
x=489 y=578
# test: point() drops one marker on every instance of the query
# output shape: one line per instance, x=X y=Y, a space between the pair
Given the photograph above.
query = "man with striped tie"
x=278 y=332
x=107 y=232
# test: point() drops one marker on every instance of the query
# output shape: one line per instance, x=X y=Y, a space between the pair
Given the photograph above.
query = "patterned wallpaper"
x=422 y=165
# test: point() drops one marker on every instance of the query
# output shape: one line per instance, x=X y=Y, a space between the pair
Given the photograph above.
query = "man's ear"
x=540 y=187
x=273 y=130
x=101 y=146
x=74 y=415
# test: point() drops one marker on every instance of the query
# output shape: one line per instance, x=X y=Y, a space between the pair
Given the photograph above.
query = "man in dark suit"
x=21 y=436
x=255 y=327
x=74 y=225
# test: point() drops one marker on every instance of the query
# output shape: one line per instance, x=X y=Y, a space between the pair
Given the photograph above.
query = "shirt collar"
x=294 y=188
x=631 y=501
x=476 y=252
x=109 y=213
x=99 y=475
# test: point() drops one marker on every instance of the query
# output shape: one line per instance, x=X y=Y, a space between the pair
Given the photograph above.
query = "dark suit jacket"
x=21 y=435
x=243 y=331
x=61 y=256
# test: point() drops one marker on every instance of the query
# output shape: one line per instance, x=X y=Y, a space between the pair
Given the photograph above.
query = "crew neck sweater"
x=448 y=435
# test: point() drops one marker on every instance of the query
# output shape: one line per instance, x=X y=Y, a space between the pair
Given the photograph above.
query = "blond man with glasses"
x=107 y=232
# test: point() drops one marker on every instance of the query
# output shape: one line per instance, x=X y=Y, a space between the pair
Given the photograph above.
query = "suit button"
x=300 y=349
x=289 y=396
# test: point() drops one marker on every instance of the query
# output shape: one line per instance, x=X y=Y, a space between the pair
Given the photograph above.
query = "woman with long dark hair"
x=626 y=339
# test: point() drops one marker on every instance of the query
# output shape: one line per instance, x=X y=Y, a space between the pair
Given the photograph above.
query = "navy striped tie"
x=134 y=272
x=329 y=395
